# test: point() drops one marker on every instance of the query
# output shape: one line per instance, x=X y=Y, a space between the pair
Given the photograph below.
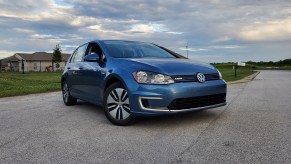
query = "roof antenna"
x=187 y=48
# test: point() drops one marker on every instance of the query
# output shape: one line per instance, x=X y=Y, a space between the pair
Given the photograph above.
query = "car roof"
x=119 y=40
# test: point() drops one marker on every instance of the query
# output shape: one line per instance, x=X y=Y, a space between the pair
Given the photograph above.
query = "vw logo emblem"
x=200 y=77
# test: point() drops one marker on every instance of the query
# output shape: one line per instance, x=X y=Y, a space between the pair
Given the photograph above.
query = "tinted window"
x=80 y=53
x=94 y=48
x=128 y=49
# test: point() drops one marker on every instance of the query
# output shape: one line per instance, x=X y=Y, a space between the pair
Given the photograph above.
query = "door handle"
x=81 y=68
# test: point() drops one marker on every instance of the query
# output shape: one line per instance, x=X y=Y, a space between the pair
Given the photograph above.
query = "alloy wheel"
x=65 y=92
x=118 y=104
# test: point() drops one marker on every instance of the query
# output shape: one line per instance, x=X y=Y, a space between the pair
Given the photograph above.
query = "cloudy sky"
x=215 y=30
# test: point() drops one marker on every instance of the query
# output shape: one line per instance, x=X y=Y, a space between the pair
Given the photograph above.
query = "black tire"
x=116 y=105
x=68 y=99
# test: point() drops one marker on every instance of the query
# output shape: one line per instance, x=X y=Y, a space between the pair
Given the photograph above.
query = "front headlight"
x=146 y=77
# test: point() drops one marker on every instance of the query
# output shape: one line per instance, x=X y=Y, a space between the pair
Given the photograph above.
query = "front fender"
x=114 y=76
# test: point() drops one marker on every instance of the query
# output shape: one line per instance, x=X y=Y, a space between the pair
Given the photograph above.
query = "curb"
x=245 y=79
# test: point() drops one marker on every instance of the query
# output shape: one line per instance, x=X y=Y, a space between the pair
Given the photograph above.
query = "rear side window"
x=79 y=53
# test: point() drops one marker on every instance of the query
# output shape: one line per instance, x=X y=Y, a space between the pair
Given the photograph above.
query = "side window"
x=73 y=56
x=95 y=48
x=79 y=53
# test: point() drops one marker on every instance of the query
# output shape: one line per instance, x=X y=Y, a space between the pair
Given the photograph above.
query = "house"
x=38 y=62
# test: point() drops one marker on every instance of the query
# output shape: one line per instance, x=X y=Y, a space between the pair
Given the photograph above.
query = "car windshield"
x=130 y=49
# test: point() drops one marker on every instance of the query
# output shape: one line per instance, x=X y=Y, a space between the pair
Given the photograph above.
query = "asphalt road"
x=253 y=128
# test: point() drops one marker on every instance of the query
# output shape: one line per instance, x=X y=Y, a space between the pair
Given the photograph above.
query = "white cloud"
x=4 y=53
x=81 y=21
x=225 y=46
x=222 y=39
x=193 y=49
x=134 y=29
x=98 y=29
x=68 y=48
x=212 y=47
x=41 y=36
x=143 y=28
x=267 y=31
x=151 y=28
x=23 y=30
x=214 y=27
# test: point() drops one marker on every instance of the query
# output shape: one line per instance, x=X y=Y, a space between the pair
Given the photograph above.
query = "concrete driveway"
x=253 y=128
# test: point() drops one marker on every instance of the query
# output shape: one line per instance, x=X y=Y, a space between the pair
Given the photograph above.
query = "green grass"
x=13 y=84
x=228 y=72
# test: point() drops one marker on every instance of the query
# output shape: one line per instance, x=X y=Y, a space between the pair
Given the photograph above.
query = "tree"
x=57 y=56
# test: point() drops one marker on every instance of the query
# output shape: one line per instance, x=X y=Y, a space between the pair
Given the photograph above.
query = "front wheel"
x=116 y=105
x=68 y=99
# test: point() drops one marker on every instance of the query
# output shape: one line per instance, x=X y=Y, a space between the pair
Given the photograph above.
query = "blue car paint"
x=87 y=80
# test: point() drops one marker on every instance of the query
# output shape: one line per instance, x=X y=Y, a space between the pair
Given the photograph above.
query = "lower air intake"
x=196 y=102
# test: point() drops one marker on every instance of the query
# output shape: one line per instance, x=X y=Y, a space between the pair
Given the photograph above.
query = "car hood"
x=168 y=66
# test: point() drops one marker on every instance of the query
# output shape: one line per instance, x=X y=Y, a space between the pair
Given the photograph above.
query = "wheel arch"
x=65 y=78
x=62 y=80
x=113 y=79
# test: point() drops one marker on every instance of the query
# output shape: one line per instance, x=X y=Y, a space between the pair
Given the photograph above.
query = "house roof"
x=37 y=56
x=11 y=58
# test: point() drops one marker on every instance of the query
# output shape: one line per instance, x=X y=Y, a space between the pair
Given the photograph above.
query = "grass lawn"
x=12 y=84
x=228 y=72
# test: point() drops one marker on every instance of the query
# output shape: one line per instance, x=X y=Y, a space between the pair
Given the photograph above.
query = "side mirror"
x=92 y=58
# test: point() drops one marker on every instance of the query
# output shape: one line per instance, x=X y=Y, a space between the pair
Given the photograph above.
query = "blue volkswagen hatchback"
x=131 y=79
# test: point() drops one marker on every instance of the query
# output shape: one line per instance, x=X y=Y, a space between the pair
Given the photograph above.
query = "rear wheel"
x=116 y=105
x=68 y=99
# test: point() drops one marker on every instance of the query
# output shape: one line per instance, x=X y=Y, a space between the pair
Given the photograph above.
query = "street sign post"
x=241 y=64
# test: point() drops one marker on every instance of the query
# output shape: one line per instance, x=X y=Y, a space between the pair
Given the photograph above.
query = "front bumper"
x=155 y=99
x=167 y=110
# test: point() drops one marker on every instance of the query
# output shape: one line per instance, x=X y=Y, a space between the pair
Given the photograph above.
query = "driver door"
x=92 y=75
